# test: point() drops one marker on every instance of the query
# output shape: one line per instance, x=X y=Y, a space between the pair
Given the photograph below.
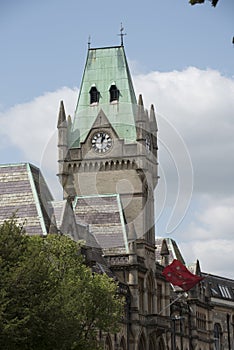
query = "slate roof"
x=104 y=215
x=219 y=287
x=65 y=222
x=104 y=67
x=58 y=208
x=24 y=193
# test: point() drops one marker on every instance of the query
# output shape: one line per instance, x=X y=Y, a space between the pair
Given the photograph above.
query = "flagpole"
x=180 y=296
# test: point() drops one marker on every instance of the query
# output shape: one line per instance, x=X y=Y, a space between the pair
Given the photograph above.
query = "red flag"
x=178 y=275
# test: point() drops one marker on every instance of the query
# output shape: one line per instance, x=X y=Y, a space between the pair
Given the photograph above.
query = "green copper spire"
x=106 y=86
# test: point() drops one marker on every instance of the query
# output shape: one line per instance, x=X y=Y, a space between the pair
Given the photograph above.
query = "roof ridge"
x=105 y=47
x=18 y=164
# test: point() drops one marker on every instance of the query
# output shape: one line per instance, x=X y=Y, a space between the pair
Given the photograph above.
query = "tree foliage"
x=48 y=298
x=194 y=2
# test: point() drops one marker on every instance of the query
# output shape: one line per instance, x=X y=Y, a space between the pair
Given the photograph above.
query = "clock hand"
x=103 y=138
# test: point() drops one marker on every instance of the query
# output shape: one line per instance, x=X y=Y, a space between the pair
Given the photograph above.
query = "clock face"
x=101 y=142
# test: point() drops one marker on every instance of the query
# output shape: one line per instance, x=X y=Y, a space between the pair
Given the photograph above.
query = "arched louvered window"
x=94 y=95
x=114 y=93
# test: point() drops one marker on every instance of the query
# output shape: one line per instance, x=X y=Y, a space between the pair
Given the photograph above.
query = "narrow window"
x=114 y=93
x=159 y=298
x=150 y=293
x=141 y=294
x=94 y=95
x=217 y=336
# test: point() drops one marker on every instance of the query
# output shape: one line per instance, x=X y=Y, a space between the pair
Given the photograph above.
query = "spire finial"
x=89 y=41
x=121 y=33
x=62 y=115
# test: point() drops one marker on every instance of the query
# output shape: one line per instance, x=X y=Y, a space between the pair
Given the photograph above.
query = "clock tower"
x=110 y=146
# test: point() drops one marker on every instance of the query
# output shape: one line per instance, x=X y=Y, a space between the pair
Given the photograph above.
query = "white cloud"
x=31 y=127
x=215 y=256
x=219 y=220
x=199 y=105
x=211 y=220
x=209 y=236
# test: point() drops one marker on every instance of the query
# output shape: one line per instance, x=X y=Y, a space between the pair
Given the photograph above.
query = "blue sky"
x=182 y=60
x=44 y=43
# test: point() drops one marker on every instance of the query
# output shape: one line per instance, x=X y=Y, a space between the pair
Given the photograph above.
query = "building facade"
x=109 y=150
x=108 y=169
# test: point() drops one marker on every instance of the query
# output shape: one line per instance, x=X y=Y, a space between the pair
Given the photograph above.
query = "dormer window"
x=225 y=292
x=94 y=95
x=114 y=93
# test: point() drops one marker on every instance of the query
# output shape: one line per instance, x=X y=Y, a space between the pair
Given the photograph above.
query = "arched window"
x=153 y=342
x=94 y=95
x=217 y=336
x=141 y=345
x=114 y=93
x=152 y=346
x=161 y=345
x=122 y=345
x=108 y=345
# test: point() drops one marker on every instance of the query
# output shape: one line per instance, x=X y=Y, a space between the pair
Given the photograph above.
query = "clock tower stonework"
x=108 y=169
x=111 y=144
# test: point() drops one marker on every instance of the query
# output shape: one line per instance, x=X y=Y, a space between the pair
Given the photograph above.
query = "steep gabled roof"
x=104 y=215
x=58 y=209
x=173 y=249
x=25 y=194
x=65 y=221
x=105 y=67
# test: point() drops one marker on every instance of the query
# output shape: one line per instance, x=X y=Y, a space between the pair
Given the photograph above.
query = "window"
x=150 y=293
x=217 y=336
x=214 y=291
x=122 y=345
x=94 y=95
x=201 y=320
x=108 y=345
x=142 y=345
x=225 y=291
x=114 y=93
x=159 y=298
x=141 y=293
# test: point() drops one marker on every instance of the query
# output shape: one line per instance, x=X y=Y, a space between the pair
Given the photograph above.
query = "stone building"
x=202 y=318
x=108 y=169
